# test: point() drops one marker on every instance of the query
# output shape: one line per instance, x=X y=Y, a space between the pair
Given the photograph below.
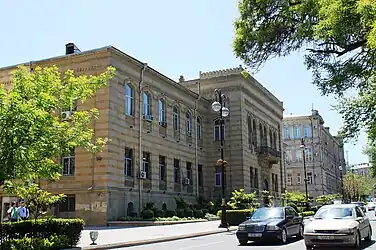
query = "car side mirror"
x=359 y=219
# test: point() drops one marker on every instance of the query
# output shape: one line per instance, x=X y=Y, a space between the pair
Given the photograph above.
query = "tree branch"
x=346 y=49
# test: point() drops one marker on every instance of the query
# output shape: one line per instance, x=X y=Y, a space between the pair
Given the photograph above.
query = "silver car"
x=338 y=225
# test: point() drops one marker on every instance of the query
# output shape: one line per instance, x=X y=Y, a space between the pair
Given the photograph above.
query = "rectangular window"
x=308 y=154
x=298 y=155
x=69 y=164
x=200 y=176
x=297 y=132
x=289 y=179
x=146 y=164
x=219 y=131
x=276 y=183
x=307 y=132
x=218 y=179
x=298 y=179
x=189 y=172
x=286 y=133
x=129 y=93
x=128 y=156
x=68 y=204
x=176 y=170
x=146 y=104
x=256 y=182
x=288 y=156
x=162 y=168
x=309 y=178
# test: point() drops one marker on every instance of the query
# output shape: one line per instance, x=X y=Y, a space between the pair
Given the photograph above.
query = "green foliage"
x=68 y=229
x=339 y=37
x=370 y=150
x=240 y=200
x=180 y=213
x=307 y=213
x=173 y=218
x=267 y=198
x=198 y=213
x=356 y=186
x=235 y=217
x=327 y=199
x=147 y=214
x=52 y=243
x=33 y=134
x=181 y=203
x=170 y=213
x=38 y=201
x=295 y=199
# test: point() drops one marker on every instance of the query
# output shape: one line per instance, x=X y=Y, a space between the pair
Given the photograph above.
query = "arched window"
x=271 y=144
x=261 y=134
x=249 y=131
x=199 y=128
x=188 y=129
x=129 y=100
x=147 y=104
x=254 y=133
x=176 y=118
x=162 y=111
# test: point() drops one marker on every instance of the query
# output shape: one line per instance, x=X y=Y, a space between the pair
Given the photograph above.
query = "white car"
x=338 y=225
x=371 y=206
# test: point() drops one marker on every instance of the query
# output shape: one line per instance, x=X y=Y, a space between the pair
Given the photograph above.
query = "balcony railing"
x=270 y=154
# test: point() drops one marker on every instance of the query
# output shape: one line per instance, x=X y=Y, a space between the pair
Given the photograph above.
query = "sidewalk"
x=112 y=238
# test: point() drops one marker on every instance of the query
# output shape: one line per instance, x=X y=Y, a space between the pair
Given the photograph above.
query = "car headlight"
x=347 y=231
x=272 y=228
x=241 y=228
x=308 y=230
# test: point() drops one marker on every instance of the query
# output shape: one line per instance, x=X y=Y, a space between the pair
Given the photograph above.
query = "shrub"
x=170 y=213
x=198 y=213
x=70 y=229
x=147 y=214
x=205 y=211
x=188 y=213
x=181 y=203
x=159 y=213
x=241 y=200
x=307 y=213
x=235 y=217
x=180 y=213
x=52 y=243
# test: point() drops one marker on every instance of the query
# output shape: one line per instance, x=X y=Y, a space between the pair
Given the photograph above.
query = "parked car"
x=361 y=205
x=275 y=223
x=371 y=206
x=338 y=225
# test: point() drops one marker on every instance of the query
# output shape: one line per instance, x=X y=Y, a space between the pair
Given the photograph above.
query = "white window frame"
x=146 y=103
x=71 y=159
x=286 y=133
x=297 y=132
x=188 y=123
x=146 y=164
x=298 y=179
x=307 y=131
x=162 y=110
x=128 y=161
x=309 y=178
x=199 y=128
x=289 y=179
x=129 y=100
x=176 y=118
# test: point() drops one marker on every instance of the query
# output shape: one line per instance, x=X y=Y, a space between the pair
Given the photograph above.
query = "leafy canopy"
x=32 y=133
x=356 y=187
x=339 y=37
x=241 y=200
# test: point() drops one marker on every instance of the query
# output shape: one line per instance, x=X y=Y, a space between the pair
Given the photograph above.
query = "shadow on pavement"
x=270 y=243
x=105 y=228
x=364 y=246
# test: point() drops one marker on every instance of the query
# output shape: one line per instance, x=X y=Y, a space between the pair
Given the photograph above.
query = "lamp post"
x=302 y=146
x=219 y=105
x=342 y=191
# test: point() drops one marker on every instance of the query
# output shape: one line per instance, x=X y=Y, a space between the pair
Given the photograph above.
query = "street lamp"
x=302 y=146
x=342 y=191
x=219 y=105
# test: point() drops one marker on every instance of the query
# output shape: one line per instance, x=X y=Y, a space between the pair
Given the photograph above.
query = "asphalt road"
x=228 y=241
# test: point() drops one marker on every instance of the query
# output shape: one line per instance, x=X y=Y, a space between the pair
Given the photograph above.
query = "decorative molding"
x=223 y=72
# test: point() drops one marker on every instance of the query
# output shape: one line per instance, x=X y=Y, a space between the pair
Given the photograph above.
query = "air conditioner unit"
x=187 y=181
x=66 y=115
x=142 y=175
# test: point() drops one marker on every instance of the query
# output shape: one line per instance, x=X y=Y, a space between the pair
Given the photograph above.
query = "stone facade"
x=172 y=144
x=324 y=155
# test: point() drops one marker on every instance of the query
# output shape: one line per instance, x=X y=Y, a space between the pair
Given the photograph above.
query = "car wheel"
x=283 y=236
x=243 y=242
x=369 y=235
x=357 y=240
x=308 y=247
x=301 y=231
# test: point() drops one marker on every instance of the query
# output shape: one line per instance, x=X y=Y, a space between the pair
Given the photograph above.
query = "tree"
x=327 y=199
x=357 y=187
x=32 y=133
x=38 y=201
x=241 y=200
x=295 y=199
x=339 y=37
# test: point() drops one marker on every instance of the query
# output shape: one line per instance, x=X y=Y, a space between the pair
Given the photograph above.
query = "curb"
x=152 y=241
x=151 y=223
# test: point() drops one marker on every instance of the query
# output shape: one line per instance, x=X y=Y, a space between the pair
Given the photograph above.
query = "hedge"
x=52 y=243
x=235 y=217
x=307 y=213
x=49 y=229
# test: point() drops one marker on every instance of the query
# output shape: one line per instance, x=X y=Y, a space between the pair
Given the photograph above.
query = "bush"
x=188 y=213
x=198 y=213
x=170 y=213
x=70 y=229
x=180 y=213
x=235 y=217
x=147 y=214
x=205 y=211
x=159 y=213
x=52 y=243
x=307 y=213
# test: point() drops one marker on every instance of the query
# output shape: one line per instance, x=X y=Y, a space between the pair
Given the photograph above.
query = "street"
x=229 y=241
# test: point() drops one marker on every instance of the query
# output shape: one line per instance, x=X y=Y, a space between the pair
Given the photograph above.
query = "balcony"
x=271 y=155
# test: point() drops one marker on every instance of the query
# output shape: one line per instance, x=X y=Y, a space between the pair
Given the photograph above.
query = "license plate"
x=254 y=235
x=325 y=237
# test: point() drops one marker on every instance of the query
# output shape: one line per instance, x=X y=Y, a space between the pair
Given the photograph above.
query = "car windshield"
x=268 y=213
x=334 y=213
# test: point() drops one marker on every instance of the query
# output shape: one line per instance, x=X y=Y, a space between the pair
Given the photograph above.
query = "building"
x=324 y=155
x=165 y=139
x=361 y=169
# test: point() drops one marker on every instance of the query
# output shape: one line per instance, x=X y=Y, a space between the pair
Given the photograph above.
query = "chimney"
x=71 y=48
x=181 y=79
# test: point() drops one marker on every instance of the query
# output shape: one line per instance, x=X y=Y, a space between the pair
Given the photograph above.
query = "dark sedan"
x=275 y=223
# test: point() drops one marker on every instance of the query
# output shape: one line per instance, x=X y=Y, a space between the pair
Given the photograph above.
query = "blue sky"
x=174 y=37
